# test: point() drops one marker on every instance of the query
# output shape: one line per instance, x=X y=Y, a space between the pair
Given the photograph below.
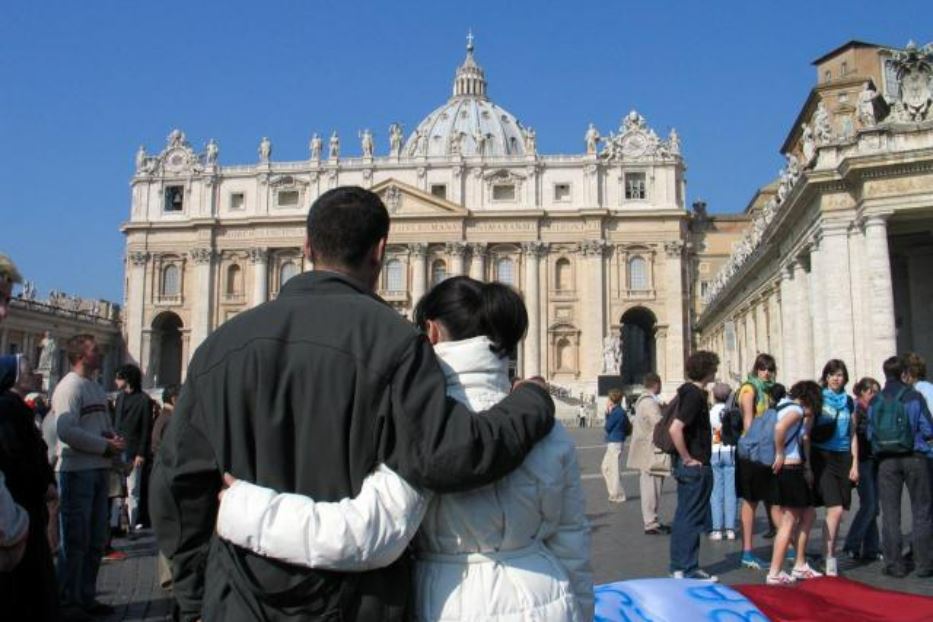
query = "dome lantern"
x=470 y=80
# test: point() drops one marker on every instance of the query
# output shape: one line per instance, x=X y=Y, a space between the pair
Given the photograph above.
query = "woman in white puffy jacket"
x=515 y=550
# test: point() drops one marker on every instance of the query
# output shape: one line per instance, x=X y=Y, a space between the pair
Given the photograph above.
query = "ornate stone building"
x=596 y=241
x=833 y=265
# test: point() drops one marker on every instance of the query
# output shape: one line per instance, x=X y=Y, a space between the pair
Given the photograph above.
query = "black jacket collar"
x=324 y=281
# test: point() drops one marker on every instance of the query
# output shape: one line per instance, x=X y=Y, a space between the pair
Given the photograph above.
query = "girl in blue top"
x=615 y=436
x=834 y=454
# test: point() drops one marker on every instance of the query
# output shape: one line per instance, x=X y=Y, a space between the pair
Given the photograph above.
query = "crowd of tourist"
x=426 y=484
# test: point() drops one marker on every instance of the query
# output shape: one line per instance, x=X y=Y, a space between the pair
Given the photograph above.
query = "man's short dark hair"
x=74 y=347
x=701 y=365
x=651 y=380
x=344 y=224
x=893 y=368
x=915 y=365
x=132 y=375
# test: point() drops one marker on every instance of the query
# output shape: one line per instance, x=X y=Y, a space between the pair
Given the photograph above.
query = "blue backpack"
x=757 y=444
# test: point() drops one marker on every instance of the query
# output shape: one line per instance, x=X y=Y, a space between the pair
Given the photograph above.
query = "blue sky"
x=82 y=84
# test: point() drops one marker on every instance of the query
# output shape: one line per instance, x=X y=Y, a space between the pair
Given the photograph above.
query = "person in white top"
x=517 y=549
x=794 y=480
x=723 y=501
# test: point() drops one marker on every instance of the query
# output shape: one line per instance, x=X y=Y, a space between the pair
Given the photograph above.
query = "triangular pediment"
x=404 y=201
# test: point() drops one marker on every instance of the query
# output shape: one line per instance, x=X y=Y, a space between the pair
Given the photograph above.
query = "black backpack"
x=731 y=419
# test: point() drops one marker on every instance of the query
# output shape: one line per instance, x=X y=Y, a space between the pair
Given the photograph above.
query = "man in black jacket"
x=134 y=423
x=307 y=394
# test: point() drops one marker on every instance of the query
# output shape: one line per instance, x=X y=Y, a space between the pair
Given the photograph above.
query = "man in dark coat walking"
x=133 y=421
x=307 y=394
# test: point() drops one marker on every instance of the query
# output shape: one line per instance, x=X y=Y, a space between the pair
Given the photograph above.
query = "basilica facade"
x=599 y=243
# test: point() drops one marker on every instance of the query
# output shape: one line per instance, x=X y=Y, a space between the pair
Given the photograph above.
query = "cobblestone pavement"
x=620 y=549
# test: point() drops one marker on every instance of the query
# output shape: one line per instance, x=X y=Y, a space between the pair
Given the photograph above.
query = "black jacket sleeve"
x=437 y=443
x=183 y=500
x=139 y=416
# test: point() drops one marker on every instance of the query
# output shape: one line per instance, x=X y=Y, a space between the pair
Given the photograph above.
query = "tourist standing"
x=653 y=465
x=915 y=374
x=900 y=432
x=615 y=437
x=692 y=436
x=834 y=455
x=86 y=446
x=133 y=421
x=863 y=541
x=355 y=387
x=793 y=481
x=169 y=395
x=723 y=500
x=755 y=482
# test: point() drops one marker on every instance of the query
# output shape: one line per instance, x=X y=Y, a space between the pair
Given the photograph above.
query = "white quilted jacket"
x=516 y=550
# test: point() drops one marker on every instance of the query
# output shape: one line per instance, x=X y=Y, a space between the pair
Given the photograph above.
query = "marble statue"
x=480 y=139
x=366 y=142
x=140 y=159
x=265 y=149
x=673 y=142
x=612 y=353
x=49 y=349
x=592 y=139
x=530 y=140
x=455 y=141
x=866 y=106
x=315 y=146
x=793 y=168
x=334 y=146
x=395 y=139
x=822 y=124
x=809 y=144
x=212 y=150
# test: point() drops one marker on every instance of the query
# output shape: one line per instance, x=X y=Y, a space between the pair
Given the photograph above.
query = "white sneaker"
x=698 y=574
x=781 y=578
x=715 y=535
x=805 y=572
x=730 y=534
x=832 y=567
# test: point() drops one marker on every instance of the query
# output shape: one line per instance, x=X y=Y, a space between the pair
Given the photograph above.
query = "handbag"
x=660 y=463
x=824 y=429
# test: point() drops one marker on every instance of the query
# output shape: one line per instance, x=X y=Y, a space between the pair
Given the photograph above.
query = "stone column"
x=533 y=252
x=456 y=250
x=818 y=308
x=419 y=277
x=478 y=261
x=837 y=300
x=593 y=323
x=674 y=310
x=787 y=364
x=802 y=334
x=201 y=305
x=259 y=257
x=136 y=305
x=660 y=355
x=881 y=297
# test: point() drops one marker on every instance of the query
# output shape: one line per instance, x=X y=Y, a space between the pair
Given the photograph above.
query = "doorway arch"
x=639 y=356
x=166 y=349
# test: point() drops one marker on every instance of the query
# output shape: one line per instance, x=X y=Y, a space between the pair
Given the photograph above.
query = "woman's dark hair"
x=864 y=384
x=345 y=223
x=469 y=308
x=778 y=391
x=170 y=394
x=132 y=375
x=764 y=362
x=809 y=394
x=701 y=365
x=832 y=366
x=893 y=368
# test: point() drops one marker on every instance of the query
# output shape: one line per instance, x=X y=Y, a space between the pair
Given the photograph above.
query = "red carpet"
x=839 y=600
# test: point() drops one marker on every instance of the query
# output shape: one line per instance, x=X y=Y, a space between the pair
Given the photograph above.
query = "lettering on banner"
x=564 y=226
x=264 y=233
x=509 y=227
x=428 y=227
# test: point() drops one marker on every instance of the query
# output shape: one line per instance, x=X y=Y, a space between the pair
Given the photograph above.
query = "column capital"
x=258 y=254
x=477 y=248
x=418 y=250
x=138 y=258
x=875 y=219
x=535 y=248
x=673 y=248
x=592 y=248
x=455 y=248
x=201 y=255
x=835 y=227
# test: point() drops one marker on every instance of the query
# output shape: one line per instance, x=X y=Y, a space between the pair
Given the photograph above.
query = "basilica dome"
x=469 y=123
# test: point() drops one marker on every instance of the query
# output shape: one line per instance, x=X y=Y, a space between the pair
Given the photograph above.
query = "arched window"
x=564 y=354
x=395 y=276
x=234 y=280
x=171 y=280
x=438 y=271
x=637 y=273
x=562 y=274
x=287 y=271
x=505 y=271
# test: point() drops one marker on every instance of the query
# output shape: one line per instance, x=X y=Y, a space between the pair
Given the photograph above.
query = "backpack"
x=731 y=419
x=661 y=437
x=892 y=433
x=823 y=430
x=758 y=443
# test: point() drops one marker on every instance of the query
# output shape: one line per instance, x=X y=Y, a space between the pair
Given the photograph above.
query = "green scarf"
x=762 y=391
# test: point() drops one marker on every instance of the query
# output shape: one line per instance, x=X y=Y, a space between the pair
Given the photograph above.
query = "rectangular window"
x=237 y=200
x=635 y=186
x=288 y=198
x=439 y=190
x=704 y=287
x=174 y=198
x=503 y=192
x=561 y=192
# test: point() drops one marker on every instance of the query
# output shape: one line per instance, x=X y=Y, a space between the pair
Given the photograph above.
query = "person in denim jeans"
x=723 y=501
x=692 y=436
x=863 y=541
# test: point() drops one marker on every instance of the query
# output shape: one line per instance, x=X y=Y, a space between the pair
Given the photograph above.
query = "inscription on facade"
x=434 y=227
x=510 y=227
x=264 y=233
